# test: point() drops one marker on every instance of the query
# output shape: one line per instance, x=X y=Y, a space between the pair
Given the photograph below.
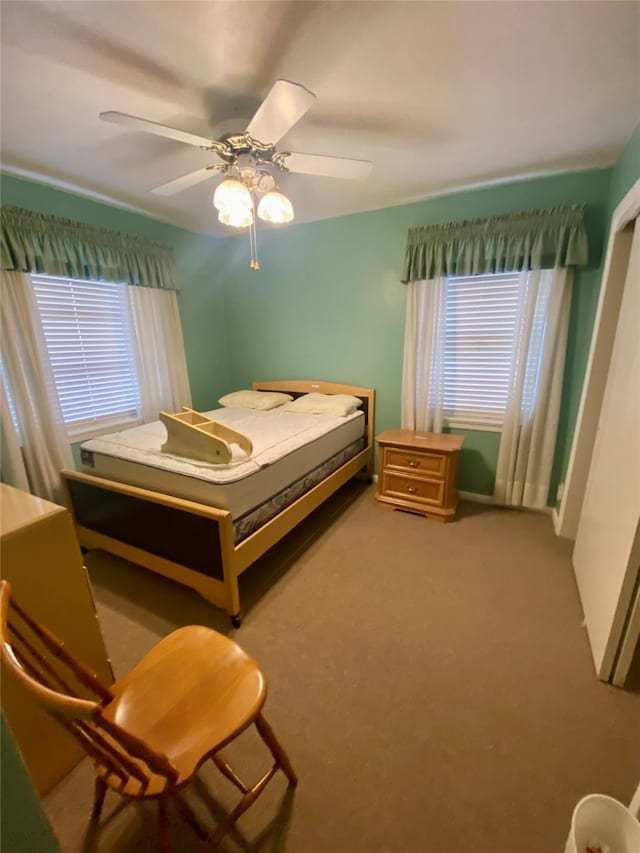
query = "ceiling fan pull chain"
x=253 y=239
x=256 y=265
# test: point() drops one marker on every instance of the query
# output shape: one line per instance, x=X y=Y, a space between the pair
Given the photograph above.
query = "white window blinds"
x=481 y=342
x=88 y=333
x=480 y=323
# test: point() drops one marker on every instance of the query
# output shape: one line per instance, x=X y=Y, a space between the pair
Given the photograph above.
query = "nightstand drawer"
x=412 y=490
x=416 y=462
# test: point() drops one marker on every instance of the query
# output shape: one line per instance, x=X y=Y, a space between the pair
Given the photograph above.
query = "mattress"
x=287 y=446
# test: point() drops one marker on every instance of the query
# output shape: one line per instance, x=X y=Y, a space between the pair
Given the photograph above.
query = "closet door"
x=605 y=555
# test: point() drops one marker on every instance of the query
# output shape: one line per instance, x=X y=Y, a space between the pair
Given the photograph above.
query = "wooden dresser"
x=417 y=472
x=41 y=559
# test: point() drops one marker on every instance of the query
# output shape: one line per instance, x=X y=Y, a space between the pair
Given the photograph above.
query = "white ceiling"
x=438 y=95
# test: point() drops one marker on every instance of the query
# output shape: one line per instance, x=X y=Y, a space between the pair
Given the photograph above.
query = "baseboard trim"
x=489 y=499
x=477 y=497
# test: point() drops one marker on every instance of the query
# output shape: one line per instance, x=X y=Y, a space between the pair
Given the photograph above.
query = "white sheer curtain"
x=14 y=472
x=423 y=364
x=159 y=349
x=536 y=371
x=33 y=457
x=527 y=446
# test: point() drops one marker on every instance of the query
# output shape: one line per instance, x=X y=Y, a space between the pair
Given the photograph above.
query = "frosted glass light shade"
x=242 y=217
x=232 y=195
x=275 y=207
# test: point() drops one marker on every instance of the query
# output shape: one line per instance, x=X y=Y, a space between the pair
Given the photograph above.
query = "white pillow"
x=324 y=404
x=262 y=400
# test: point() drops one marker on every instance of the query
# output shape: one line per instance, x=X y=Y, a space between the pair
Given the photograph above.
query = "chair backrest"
x=74 y=695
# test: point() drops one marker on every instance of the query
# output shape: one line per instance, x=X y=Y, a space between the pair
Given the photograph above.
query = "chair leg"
x=247 y=800
x=164 y=837
x=281 y=761
x=281 y=757
x=225 y=768
x=189 y=815
x=99 y=792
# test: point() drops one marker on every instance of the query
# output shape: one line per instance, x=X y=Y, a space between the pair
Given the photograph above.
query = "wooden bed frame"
x=193 y=543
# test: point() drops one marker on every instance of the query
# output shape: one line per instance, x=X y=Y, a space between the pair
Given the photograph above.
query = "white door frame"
x=566 y=516
x=630 y=631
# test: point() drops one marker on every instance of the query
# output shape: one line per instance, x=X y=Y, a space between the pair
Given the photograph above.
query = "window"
x=88 y=333
x=480 y=329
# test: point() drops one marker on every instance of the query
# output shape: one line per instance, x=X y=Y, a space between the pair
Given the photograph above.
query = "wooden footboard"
x=189 y=542
x=186 y=541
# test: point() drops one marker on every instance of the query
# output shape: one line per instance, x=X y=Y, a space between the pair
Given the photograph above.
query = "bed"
x=201 y=525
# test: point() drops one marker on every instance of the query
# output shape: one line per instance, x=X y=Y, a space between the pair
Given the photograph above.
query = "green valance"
x=554 y=237
x=41 y=243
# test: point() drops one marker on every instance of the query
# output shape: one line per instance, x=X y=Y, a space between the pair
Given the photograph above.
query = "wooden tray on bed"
x=193 y=543
x=196 y=436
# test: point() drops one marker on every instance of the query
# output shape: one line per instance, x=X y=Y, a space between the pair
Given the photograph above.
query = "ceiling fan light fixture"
x=275 y=207
x=246 y=155
x=232 y=195
x=241 y=217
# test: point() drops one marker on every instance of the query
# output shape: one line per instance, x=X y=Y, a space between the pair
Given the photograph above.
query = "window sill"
x=84 y=434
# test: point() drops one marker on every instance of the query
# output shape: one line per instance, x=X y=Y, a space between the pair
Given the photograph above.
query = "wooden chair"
x=148 y=733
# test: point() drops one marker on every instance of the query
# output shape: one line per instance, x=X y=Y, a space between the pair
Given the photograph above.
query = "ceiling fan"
x=249 y=159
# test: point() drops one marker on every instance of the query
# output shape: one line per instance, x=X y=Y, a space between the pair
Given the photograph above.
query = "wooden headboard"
x=298 y=387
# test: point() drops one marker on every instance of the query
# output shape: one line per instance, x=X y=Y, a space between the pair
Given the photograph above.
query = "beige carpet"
x=432 y=684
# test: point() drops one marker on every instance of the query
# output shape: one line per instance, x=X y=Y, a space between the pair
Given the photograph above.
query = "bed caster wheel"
x=236 y=620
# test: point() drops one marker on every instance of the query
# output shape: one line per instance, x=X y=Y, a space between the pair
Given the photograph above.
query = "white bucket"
x=602 y=823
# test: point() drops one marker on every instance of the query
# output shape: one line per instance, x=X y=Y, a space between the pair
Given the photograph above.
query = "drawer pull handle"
x=412 y=490
x=413 y=463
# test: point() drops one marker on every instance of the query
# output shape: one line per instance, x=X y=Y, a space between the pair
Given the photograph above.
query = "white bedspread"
x=274 y=434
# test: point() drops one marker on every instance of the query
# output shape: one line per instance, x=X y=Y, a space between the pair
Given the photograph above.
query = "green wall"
x=197 y=258
x=25 y=828
x=328 y=303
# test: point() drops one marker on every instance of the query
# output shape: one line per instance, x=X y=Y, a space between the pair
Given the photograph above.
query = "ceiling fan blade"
x=285 y=104
x=153 y=127
x=189 y=180
x=328 y=167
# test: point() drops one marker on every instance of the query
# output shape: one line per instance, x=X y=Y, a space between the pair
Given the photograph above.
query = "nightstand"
x=417 y=472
